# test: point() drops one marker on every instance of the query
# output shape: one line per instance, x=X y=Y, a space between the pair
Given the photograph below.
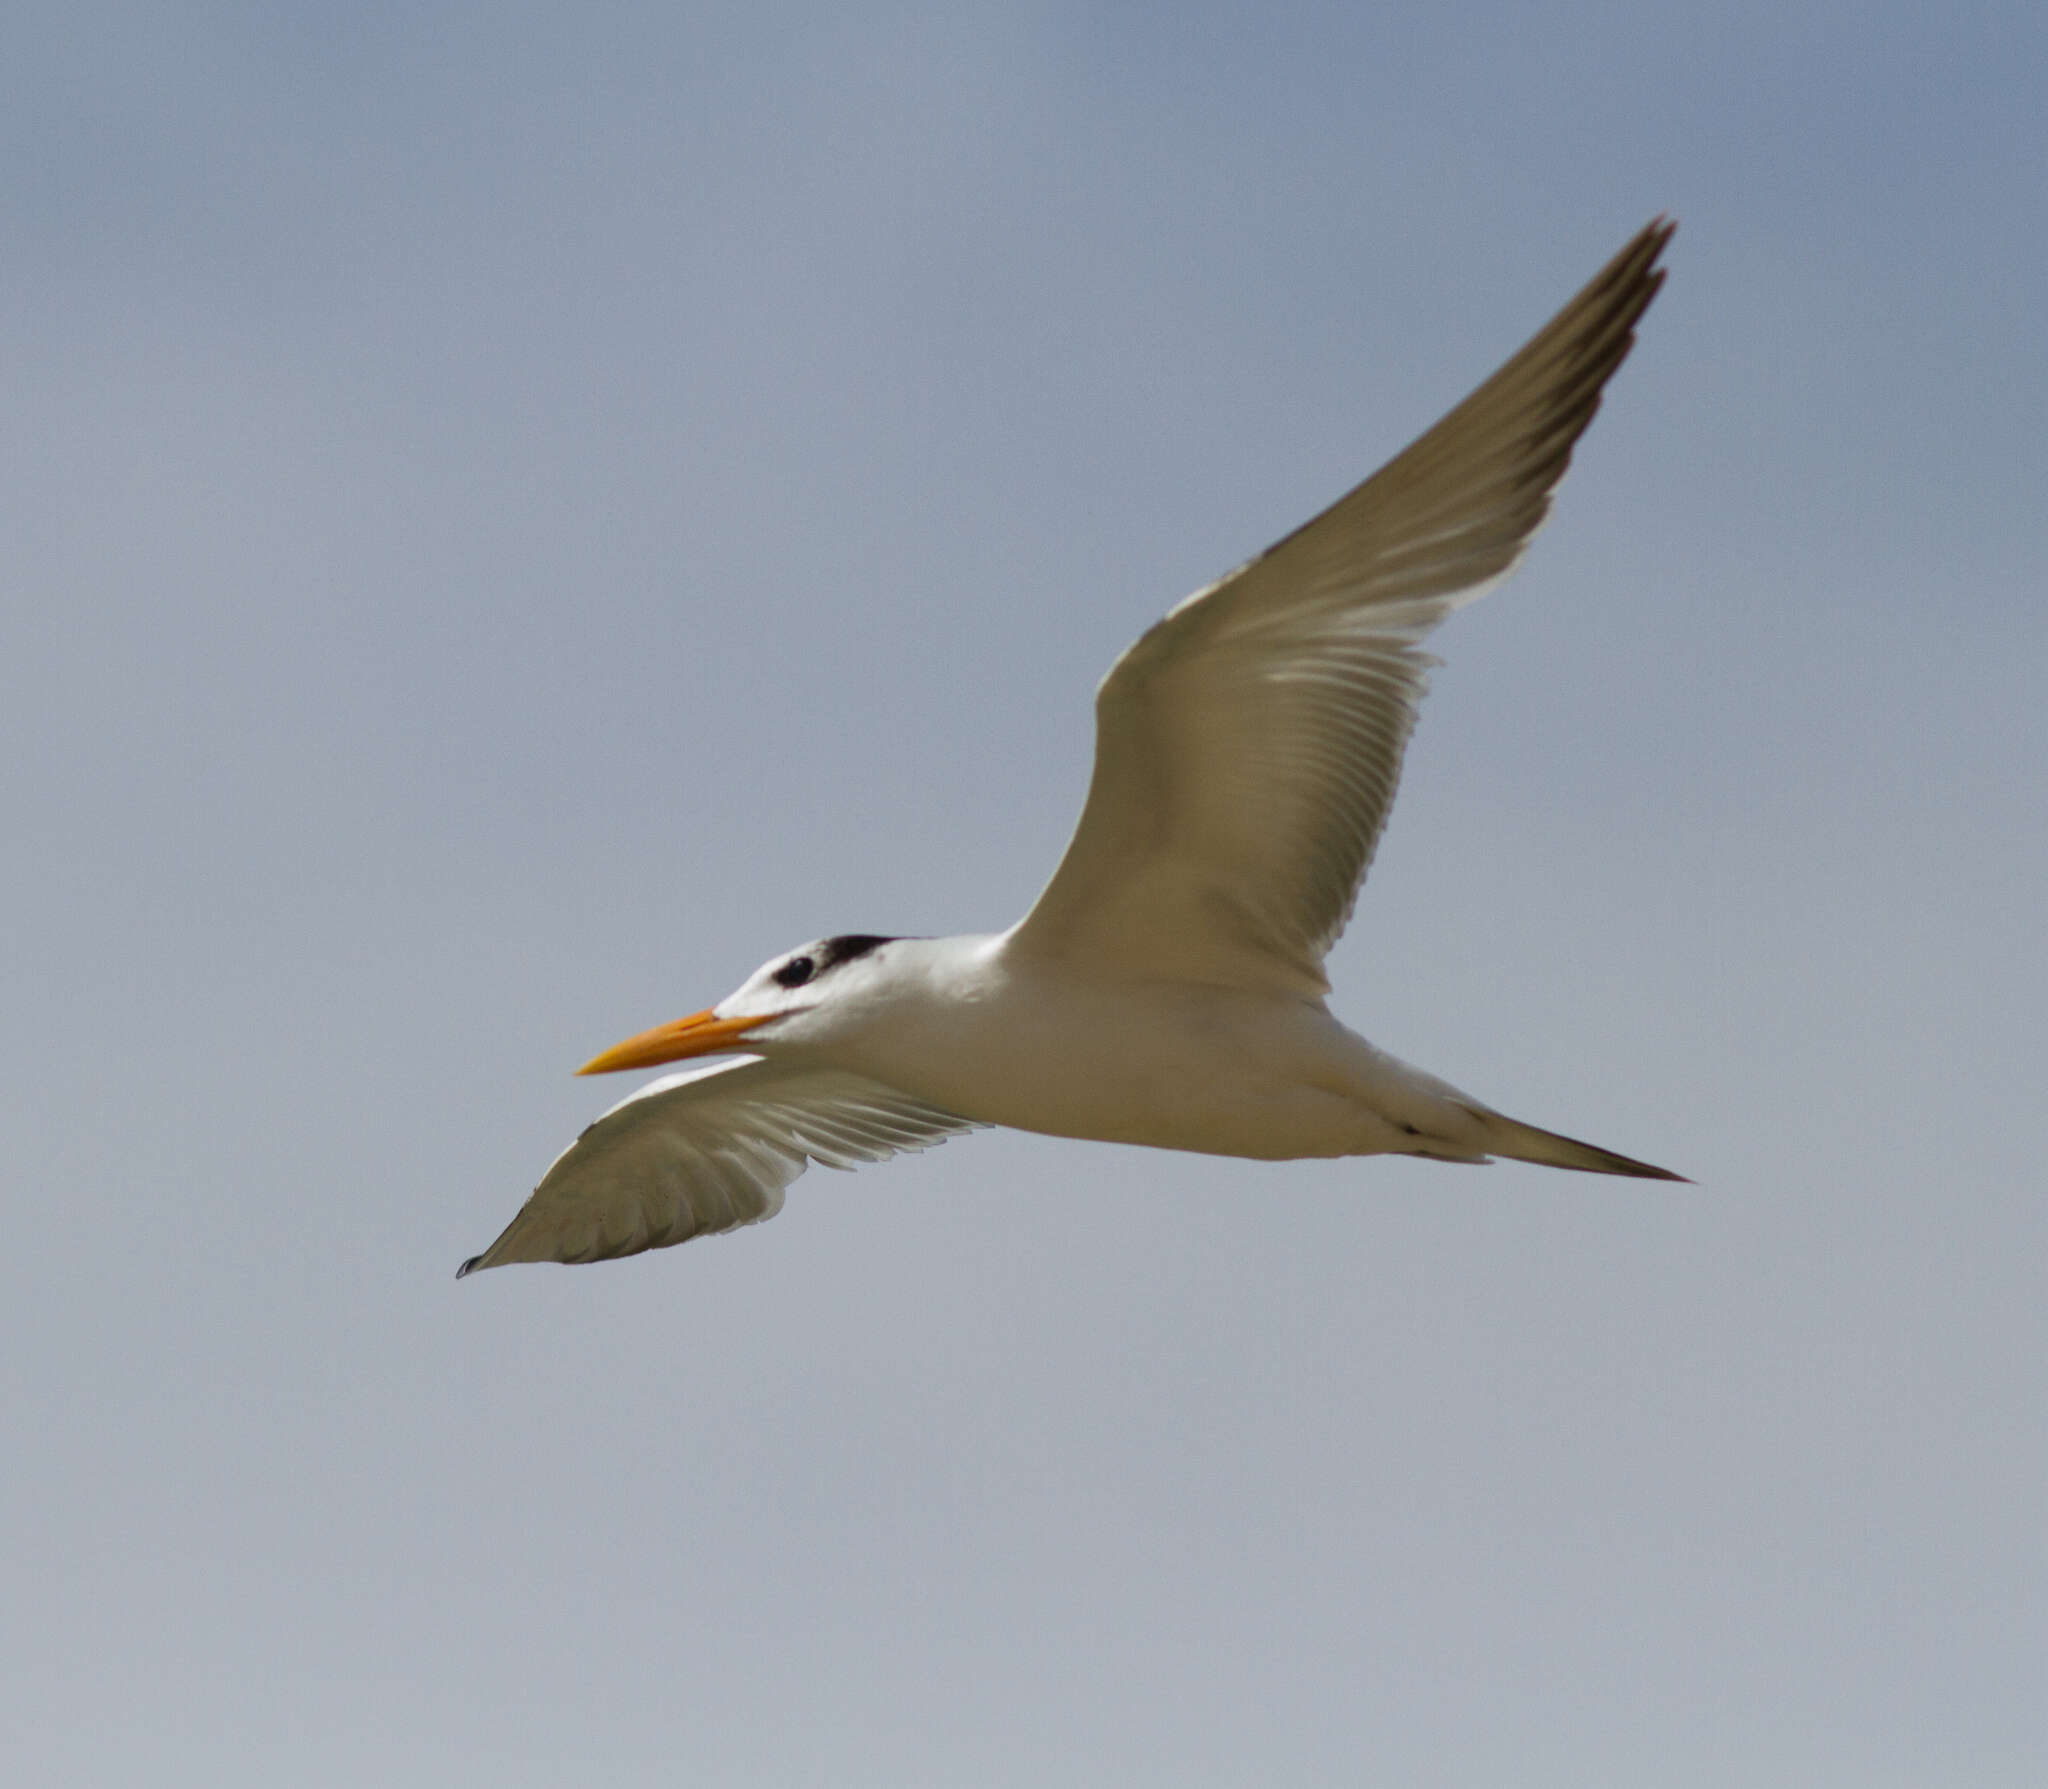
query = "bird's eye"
x=795 y=972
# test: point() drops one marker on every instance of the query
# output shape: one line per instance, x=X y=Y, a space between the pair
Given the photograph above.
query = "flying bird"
x=1167 y=988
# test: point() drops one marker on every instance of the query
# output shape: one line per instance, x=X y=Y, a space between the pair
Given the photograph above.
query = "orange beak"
x=701 y=1034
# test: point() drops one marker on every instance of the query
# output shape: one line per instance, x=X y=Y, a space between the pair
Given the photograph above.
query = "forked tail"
x=1525 y=1143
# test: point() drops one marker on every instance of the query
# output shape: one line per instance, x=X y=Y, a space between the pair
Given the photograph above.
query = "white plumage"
x=1167 y=987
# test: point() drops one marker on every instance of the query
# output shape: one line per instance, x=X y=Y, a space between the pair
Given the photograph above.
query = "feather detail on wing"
x=708 y=1150
x=1249 y=745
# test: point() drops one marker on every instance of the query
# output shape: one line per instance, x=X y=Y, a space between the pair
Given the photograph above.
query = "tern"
x=1167 y=988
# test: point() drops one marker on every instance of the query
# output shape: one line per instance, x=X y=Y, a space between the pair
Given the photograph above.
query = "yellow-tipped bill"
x=701 y=1034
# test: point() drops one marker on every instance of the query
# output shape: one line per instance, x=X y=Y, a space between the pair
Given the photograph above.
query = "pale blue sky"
x=514 y=514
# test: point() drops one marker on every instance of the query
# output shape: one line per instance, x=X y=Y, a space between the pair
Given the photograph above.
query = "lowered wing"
x=708 y=1150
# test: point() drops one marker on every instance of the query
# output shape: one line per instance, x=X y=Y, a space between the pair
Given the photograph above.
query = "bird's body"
x=963 y=1024
x=1167 y=988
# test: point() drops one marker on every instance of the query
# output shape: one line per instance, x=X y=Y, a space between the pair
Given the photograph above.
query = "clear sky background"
x=511 y=515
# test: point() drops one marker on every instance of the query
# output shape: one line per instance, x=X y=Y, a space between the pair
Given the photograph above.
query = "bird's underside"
x=1166 y=988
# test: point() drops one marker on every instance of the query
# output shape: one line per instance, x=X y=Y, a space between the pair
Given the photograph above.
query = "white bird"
x=1167 y=988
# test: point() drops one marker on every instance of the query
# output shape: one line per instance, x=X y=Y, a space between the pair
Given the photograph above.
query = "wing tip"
x=469 y=1267
x=1645 y=248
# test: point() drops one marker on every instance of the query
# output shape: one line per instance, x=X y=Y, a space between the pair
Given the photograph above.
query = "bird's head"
x=771 y=1006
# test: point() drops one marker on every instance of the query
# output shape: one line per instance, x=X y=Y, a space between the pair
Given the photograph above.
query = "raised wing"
x=1248 y=746
x=707 y=1150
